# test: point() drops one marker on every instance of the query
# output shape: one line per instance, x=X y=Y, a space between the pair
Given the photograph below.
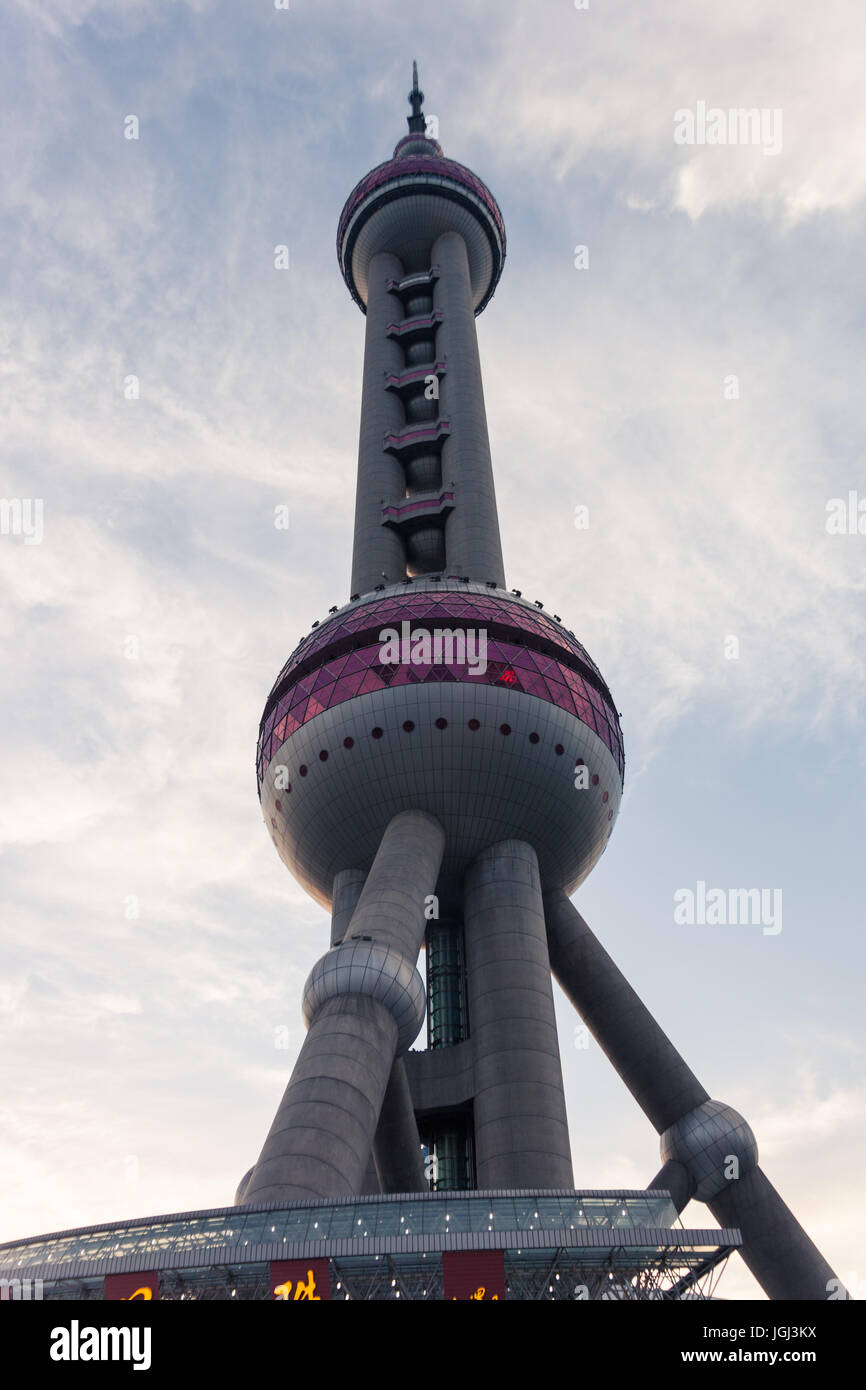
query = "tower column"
x=673 y=1177
x=397 y=1143
x=364 y=1003
x=657 y=1076
x=472 y=543
x=347 y=889
x=378 y=549
x=521 y=1127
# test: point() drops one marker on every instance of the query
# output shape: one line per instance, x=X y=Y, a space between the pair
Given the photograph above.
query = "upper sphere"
x=523 y=745
x=403 y=205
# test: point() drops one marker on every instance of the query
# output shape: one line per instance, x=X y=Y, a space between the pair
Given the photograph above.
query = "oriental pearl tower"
x=440 y=764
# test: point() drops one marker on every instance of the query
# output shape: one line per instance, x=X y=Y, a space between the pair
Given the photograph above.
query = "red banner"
x=478 y=1275
x=126 y=1287
x=293 y=1280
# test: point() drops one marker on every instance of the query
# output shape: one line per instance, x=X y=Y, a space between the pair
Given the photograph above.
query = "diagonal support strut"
x=708 y=1149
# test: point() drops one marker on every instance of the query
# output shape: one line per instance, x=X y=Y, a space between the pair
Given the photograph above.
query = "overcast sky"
x=698 y=386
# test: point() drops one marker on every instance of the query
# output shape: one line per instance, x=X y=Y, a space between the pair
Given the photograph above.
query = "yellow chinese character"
x=302 y=1290
x=307 y=1290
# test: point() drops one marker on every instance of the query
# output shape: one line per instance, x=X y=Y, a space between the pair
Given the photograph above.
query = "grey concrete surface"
x=521 y=1127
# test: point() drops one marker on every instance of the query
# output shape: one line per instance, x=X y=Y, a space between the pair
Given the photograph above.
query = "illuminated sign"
x=126 y=1287
x=476 y=1276
x=293 y=1281
x=500 y=674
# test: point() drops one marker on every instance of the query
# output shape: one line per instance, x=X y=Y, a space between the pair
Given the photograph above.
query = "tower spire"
x=416 y=98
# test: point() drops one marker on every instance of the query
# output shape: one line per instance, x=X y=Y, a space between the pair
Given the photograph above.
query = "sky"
x=692 y=377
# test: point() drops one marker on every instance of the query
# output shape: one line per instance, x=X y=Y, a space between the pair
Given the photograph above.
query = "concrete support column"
x=370 y=1186
x=396 y=1163
x=472 y=543
x=673 y=1177
x=397 y=1145
x=777 y=1250
x=378 y=548
x=345 y=893
x=364 y=1003
x=649 y=1064
x=521 y=1128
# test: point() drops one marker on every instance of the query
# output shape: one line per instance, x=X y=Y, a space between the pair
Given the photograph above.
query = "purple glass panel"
x=534 y=685
x=438 y=166
x=441 y=607
x=510 y=652
x=324 y=694
x=347 y=687
x=524 y=658
x=370 y=682
x=561 y=685
x=299 y=711
x=386 y=674
x=325 y=677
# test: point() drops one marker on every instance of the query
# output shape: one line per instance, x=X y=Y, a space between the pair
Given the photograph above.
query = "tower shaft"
x=425 y=500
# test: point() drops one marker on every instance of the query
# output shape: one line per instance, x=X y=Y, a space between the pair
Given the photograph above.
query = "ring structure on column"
x=705 y=1140
x=374 y=969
